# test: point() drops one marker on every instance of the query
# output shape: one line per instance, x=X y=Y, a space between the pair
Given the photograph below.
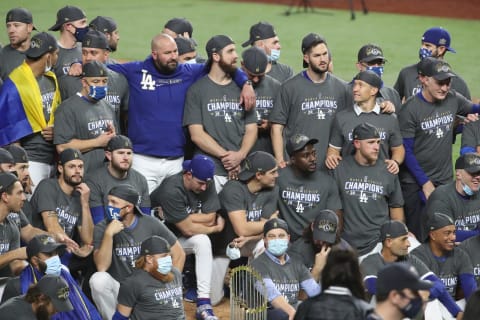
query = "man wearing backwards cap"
x=254 y=63
x=370 y=194
x=426 y=123
x=43 y=301
x=154 y=287
x=43 y=258
x=366 y=87
x=459 y=199
x=304 y=190
x=308 y=102
x=399 y=293
x=116 y=169
x=19 y=30
x=190 y=204
x=263 y=36
x=187 y=53
x=435 y=43
x=31 y=110
x=86 y=121
x=162 y=82
x=225 y=132
x=117 y=244
x=60 y=205
x=318 y=239
x=72 y=24
x=440 y=255
x=282 y=276
x=108 y=27
x=395 y=239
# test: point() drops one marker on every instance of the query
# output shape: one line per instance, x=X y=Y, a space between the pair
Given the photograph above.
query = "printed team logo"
x=365 y=190
x=438 y=125
x=147 y=82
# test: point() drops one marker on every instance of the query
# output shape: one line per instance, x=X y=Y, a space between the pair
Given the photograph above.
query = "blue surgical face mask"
x=164 y=265
x=80 y=33
x=424 y=53
x=54 y=265
x=377 y=69
x=274 y=55
x=468 y=191
x=113 y=213
x=98 y=92
x=277 y=247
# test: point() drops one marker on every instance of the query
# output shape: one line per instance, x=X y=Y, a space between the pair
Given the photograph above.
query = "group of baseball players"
x=115 y=176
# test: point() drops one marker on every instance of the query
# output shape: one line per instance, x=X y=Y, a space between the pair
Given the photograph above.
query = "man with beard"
x=254 y=63
x=318 y=239
x=263 y=36
x=450 y=263
x=60 y=205
x=219 y=125
x=435 y=43
x=283 y=276
x=43 y=260
x=72 y=24
x=370 y=194
x=426 y=122
x=366 y=87
x=395 y=240
x=304 y=190
x=308 y=101
x=117 y=169
x=19 y=29
x=117 y=241
x=156 y=106
x=190 y=204
x=86 y=121
x=154 y=287
x=41 y=302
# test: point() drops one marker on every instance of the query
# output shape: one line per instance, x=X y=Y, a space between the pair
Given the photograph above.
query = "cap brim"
x=444 y=76
x=423 y=285
x=55 y=27
x=373 y=58
x=328 y=237
x=54 y=246
x=62 y=305
x=451 y=50
x=473 y=169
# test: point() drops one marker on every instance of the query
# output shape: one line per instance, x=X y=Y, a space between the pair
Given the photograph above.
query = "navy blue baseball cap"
x=439 y=37
x=201 y=167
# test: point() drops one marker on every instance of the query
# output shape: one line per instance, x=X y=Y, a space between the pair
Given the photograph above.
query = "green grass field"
x=398 y=35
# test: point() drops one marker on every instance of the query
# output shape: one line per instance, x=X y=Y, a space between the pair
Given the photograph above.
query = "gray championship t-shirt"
x=266 y=91
x=471 y=246
x=346 y=120
x=10 y=58
x=447 y=268
x=152 y=299
x=77 y=118
x=281 y=72
x=218 y=109
x=127 y=243
x=431 y=125
x=65 y=59
x=301 y=197
x=177 y=202
x=9 y=240
x=408 y=85
x=37 y=148
x=308 y=108
x=373 y=263
x=367 y=193
x=48 y=196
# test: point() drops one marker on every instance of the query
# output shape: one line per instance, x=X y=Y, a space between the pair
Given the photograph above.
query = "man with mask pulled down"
x=86 y=121
x=43 y=259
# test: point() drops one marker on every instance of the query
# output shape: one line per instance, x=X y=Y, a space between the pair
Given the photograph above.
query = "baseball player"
x=108 y=27
x=435 y=43
x=86 y=121
x=187 y=52
x=118 y=169
x=219 y=125
x=366 y=87
x=19 y=23
x=154 y=287
x=264 y=36
x=308 y=101
x=254 y=63
x=117 y=244
x=459 y=199
x=395 y=240
x=304 y=190
x=370 y=194
x=426 y=123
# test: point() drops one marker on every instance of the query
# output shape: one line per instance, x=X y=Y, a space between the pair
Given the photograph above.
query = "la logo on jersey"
x=147 y=82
